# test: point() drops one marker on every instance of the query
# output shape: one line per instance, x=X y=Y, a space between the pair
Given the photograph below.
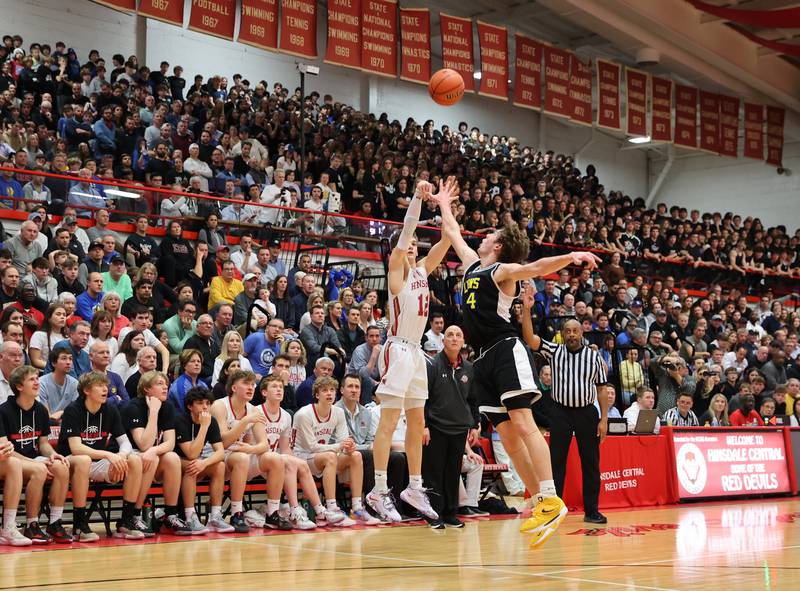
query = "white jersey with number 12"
x=408 y=310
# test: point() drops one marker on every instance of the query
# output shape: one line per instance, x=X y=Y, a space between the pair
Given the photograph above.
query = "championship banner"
x=457 y=49
x=213 y=17
x=344 y=33
x=754 y=131
x=527 y=73
x=168 y=11
x=580 y=91
x=685 y=116
x=128 y=6
x=709 y=121
x=379 y=37
x=711 y=463
x=608 y=112
x=259 y=24
x=728 y=126
x=636 y=89
x=415 y=45
x=775 y=118
x=299 y=27
x=493 y=46
x=661 y=109
x=556 y=81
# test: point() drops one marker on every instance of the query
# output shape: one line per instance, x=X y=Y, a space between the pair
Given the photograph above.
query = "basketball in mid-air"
x=446 y=87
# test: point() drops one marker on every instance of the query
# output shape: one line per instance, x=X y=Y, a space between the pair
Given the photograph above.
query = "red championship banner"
x=661 y=109
x=169 y=11
x=121 y=5
x=754 y=131
x=636 y=89
x=299 y=27
x=556 y=81
x=379 y=37
x=633 y=473
x=728 y=126
x=730 y=462
x=493 y=45
x=528 y=73
x=344 y=33
x=608 y=112
x=580 y=91
x=709 y=121
x=415 y=45
x=775 y=118
x=213 y=17
x=685 y=116
x=259 y=24
x=457 y=50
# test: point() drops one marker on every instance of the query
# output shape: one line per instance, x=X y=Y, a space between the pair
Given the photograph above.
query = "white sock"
x=190 y=512
x=547 y=488
x=330 y=504
x=237 y=506
x=29 y=520
x=216 y=511
x=380 y=481
x=357 y=505
x=272 y=506
x=9 y=519
x=56 y=513
x=319 y=509
x=415 y=481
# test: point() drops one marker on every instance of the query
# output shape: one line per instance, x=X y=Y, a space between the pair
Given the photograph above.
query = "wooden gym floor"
x=741 y=545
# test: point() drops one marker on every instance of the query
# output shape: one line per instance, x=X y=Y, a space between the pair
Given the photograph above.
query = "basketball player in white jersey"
x=503 y=369
x=278 y=426
x=247 y=451
x=321 y=437
x=404 y=378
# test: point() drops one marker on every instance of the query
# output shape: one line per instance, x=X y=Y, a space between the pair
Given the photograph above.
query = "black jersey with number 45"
x=487 y=310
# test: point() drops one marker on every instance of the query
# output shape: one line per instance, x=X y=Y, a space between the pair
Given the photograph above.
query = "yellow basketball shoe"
x=547 y=515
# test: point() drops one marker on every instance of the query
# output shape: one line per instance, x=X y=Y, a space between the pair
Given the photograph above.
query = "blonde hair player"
x=503 y=369
x=404 y=379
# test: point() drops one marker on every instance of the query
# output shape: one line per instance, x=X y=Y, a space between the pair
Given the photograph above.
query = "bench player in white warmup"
x=404 y=377
x=279 y=434
x=503 y=369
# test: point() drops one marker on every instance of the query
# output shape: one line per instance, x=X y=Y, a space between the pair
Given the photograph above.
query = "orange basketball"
x=446 y=87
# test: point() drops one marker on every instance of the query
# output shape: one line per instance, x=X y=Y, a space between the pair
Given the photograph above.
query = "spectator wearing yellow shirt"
x=225 y=287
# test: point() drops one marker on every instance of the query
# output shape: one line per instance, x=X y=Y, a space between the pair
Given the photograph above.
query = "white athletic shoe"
x=363 y=517
x=330 y=517
x=383 y=505
x=196 y=526
x=418 y=498
x=300 y=520
x=13 y=537
x=219 y=525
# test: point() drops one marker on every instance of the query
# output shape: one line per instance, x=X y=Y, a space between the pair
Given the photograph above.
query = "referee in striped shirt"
x=578 y=374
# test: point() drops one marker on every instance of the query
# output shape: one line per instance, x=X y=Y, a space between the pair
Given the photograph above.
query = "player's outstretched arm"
x=400 y=252
x=545 y=266
x=451 y=230
x=527 y=297
x=439 y=250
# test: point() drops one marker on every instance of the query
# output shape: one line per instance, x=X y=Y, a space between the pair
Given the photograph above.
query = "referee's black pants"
x=564 y=421
x=441 y=469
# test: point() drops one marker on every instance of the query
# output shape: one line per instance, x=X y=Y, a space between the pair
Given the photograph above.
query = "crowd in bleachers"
x=168 y=329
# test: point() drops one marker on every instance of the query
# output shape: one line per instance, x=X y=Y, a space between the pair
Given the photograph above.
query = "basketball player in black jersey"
x=503 y=369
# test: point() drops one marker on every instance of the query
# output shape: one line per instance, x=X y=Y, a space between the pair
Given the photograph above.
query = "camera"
x=669 y=365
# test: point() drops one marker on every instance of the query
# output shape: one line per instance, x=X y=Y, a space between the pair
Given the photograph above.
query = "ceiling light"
x=639 y=139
